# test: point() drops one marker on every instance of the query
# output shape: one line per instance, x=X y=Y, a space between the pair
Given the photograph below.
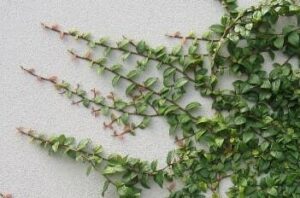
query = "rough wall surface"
x=26 y=170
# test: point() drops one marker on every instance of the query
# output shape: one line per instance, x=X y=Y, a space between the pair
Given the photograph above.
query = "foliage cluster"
x=253 y=137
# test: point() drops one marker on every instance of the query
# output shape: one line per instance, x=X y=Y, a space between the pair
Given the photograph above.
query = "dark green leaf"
x=239 y=120
x=116 y=80
x=293 y=39
x=181 y=82
x=105 y=187
x=247 y=136
x=217 y=28
x=123 y=43
x=141 y=47
x=279 y=41
x=193 y=106
x=159 y=178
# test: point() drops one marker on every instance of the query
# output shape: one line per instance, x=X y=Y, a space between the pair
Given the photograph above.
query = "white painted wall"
x=25 y=169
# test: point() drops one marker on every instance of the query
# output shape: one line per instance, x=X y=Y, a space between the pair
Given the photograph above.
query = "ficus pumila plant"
x=253 y=138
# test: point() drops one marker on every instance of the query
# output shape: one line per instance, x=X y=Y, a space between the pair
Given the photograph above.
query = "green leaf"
x=293 y=39
x=203 y=186
x=141 y=107
x=239 y=120
x=141 y=47
x=119 y=104
x=88 y=170
x=264 y=146
x=150 y=81
x=266 y=84
x=219 y=141
x=116 y=80
x=116 y=67
x=203 y=120
x=247 y=136
x=199 y=134
x=113 y=169
x=100 y=70
x=277 y=154
x=288 y=29
x=103 y=40
x=192 y=106
x=294 y=8
x=98 y=99
x=177 y=50
x=105 y=110
x=276 y=85
x=279 y=41
x=170 y=157
x=98 y=149
x=125 y=56
x=124 y=118
x=144 y=181
x=246 y=87
x=217 y=28
x=169 y=71
x=257 y=15
x=128 y=192
x=130 y=89
x=132 y=74
x=154 y=165
x=249 y=26
x=107 y=51
x=83 y=144
x=145 y=122
x=181 y=82
x=159 y=178
x=159 y=49
x=105 y=187
x=86 y=102
x=169 y=109
x=272 y=191
x=123 y=43
x=55 y=146
x=183 y=118
x=215 y=195
x=193 y=50
x=254 y=79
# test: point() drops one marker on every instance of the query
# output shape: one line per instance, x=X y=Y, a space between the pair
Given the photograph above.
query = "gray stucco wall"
x=26 y=170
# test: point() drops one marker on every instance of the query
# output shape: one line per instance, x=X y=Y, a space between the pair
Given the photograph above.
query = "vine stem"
x=288 y=59
x=64 y=33
x=190 y=37
x=222 y=40
x=262 y=35
x=30 y=133
x=130 y=80
x=54 y=82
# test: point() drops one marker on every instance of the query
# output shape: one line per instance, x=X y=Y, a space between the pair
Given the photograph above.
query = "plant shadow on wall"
x=253 y=137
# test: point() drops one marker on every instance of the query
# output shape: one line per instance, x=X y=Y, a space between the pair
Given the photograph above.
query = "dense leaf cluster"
x=253 y=137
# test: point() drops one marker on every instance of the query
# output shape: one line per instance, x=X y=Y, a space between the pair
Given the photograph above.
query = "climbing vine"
x=253 y=137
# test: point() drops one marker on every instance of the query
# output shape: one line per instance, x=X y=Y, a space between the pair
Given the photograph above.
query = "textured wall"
x=26 y=170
